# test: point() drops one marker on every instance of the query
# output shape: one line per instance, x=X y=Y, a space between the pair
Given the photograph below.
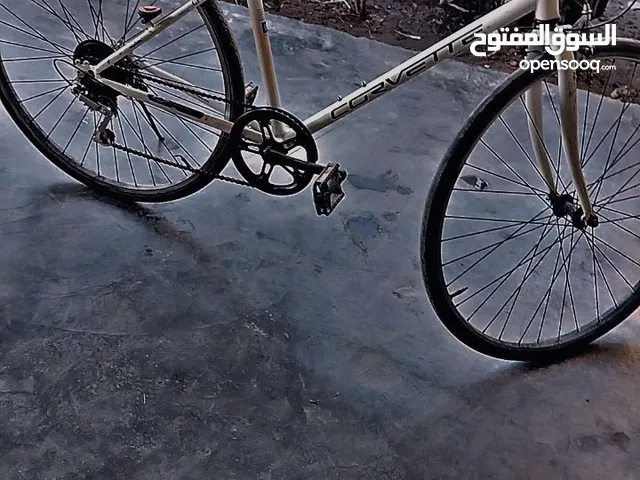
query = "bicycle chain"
x=199 y=93
x=187 y=89
x=224 y=178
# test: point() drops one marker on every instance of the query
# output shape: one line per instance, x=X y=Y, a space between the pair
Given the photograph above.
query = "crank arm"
x=281 y=159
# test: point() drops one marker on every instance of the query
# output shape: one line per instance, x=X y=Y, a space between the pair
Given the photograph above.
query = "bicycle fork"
x=561 y=202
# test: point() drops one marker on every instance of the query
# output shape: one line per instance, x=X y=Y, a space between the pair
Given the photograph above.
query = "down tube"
x=420 y=63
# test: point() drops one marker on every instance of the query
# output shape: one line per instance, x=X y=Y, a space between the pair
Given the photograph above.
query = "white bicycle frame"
x=449 y=47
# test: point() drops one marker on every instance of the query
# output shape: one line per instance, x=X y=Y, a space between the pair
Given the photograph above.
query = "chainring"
x=270 y=151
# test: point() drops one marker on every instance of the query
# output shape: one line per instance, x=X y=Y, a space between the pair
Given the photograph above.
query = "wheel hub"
x=565 y=206
x=91 y=92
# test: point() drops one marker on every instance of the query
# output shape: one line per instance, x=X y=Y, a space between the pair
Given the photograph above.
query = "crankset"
x=267 y=164
x=271 y=154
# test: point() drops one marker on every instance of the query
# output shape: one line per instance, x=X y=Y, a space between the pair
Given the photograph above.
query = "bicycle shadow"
x=121 y=268
x=148 y=217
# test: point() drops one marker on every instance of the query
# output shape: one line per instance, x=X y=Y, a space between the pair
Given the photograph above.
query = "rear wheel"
x=40 y=90
x=507 y=273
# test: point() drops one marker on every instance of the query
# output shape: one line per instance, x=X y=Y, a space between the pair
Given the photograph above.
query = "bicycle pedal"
x=327 y=190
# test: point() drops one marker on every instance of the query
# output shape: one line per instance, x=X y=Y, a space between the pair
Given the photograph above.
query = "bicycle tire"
x=233 y=76
x=434 y=215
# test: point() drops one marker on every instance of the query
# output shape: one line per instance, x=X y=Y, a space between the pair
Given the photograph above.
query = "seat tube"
x=263 y=47
x=547 y=10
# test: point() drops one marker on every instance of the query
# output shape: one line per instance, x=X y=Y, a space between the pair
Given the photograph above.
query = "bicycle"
x=118 y=94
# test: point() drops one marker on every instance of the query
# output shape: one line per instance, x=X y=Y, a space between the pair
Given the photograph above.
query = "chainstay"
x=185 y=88
x=187 y=167
x=193 y=91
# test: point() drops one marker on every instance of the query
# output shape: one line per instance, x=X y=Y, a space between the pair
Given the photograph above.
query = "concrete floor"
x=234 y=335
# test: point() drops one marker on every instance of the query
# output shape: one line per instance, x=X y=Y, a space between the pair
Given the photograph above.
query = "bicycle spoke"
x=606 y=85
x=65 y=111
x=32 y=59
x=506 y=275
x=511 y=169
x=612 y=175
x=604 y=277
x=53 y=13
x=58 y=95
x=30 y=47
x=547 y=295
x=147 y=151
x=606 y=165
x=73 y=135
x=180 y=57
x=610 y=247
x=177 y=39
x=566 y=263
x=625 y=216
x=71 y=18
x=480 y=232
x=494 y=219
x=621 y=155
x=516 y=293
x=556 y=274
x=86 y=151
x=131 y=21
x=624 y=279
x=94 y=19
x=493 y=247
x=60 y=48
x=584 y=124
x=553 y=281
x=176 y=158
x=42 y=94
x=534 y=190
x=124 y=138
x=544 y=145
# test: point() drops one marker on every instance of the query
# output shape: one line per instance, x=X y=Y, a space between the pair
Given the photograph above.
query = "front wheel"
x=164 y=157
x=508 y=274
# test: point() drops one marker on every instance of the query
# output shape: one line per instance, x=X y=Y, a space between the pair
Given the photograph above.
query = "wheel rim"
x=469 y=290
x=37 y=68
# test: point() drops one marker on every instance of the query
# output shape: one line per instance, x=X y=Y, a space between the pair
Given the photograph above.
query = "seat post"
x=547 y=10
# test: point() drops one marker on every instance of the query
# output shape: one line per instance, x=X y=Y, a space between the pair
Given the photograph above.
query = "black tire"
x=434 y=218
x=233 y=76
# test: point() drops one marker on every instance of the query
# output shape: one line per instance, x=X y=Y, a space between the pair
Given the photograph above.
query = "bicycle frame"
x=449 y=47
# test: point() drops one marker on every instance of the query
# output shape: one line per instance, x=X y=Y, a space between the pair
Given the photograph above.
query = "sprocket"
x=272 y=155
x=93 y=93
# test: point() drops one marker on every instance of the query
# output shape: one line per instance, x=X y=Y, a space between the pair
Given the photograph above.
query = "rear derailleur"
x=274 y=169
